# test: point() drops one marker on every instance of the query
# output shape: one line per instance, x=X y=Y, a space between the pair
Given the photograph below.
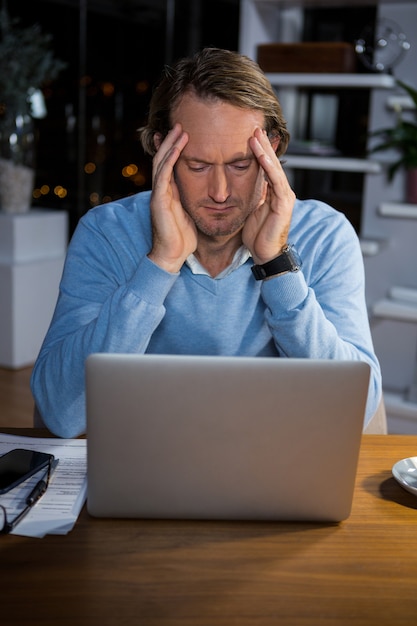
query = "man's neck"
x=215 y=254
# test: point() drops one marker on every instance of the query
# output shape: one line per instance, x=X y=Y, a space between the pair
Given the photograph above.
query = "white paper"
x=57 y=510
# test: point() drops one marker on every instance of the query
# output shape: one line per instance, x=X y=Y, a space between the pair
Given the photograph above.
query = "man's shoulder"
x=317 y=216
x=312 y=208
x=318 y=228
x=125 y=224
x=125 y=210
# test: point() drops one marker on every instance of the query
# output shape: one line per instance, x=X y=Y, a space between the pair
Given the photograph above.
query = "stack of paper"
x=57 y=510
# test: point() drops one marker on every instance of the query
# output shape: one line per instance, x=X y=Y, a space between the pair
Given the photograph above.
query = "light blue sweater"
x=114 y=299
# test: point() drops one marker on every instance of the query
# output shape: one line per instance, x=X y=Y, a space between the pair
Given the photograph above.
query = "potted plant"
x=403 y=138
x=26 y=64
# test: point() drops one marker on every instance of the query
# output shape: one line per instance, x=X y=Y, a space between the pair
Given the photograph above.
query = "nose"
x=218 y=185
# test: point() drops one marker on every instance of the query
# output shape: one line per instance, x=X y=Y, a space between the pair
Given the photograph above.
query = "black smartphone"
x=19 y=464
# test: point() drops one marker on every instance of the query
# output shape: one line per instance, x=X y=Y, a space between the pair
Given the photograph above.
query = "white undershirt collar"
x=240 y=257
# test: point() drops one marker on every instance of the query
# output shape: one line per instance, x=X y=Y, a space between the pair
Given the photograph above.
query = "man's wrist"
x=172 y=267
x=287 y=261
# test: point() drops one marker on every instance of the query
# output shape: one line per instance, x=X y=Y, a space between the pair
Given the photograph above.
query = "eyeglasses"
x=36 y=493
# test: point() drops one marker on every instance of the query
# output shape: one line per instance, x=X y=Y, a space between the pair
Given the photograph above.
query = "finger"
x=168 y=153
x=265 y=155
x=277 y=180
x=165 y=143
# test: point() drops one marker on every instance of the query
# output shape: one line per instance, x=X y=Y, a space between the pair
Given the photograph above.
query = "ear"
x=157 y=140
x=275 y=142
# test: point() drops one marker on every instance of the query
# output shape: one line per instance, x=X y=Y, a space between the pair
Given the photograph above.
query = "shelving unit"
x=388 y=229
x=266 y=21
x=334 y=164
x=398 y=210
x=400 y=306
x=333 y=81
x=396 y=313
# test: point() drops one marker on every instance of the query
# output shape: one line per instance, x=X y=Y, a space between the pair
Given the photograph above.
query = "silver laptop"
x=226 y=438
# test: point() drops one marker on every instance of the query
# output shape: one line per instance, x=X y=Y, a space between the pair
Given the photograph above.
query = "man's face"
x=218 y=177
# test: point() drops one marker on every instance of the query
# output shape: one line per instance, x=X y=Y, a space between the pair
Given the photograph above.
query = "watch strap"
x=287 y=261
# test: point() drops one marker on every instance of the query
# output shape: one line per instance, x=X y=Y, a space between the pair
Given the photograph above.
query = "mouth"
x=219 y=209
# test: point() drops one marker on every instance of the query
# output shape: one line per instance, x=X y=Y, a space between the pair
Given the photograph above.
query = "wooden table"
x=156 y=573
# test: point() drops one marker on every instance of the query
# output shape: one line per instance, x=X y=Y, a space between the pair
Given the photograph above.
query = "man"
x=208 y=262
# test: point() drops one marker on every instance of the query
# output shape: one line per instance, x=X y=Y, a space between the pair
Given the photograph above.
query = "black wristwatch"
x=287 y=261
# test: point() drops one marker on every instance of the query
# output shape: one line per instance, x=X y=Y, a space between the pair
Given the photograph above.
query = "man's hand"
x=174 y=233
x=266 y=229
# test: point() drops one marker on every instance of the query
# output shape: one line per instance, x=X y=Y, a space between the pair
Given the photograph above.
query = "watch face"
x=296 y=261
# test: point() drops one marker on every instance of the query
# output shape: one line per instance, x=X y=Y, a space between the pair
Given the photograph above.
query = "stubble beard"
x=221 y=225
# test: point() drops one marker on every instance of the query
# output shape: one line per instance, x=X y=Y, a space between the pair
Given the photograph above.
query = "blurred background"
x=87 y=148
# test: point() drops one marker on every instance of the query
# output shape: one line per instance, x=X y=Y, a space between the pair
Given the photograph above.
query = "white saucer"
x=405 y=472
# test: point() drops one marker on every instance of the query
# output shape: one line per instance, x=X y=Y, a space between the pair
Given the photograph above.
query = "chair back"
x=378 y=423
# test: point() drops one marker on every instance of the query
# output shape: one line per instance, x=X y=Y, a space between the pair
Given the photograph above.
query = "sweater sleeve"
x=104 y=305
x=320 y=311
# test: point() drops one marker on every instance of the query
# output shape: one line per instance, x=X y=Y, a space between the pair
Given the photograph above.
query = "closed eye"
x=197 y=167
x=241 y=166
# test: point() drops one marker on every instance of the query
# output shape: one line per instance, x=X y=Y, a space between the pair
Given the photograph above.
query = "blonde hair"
x=220 y=74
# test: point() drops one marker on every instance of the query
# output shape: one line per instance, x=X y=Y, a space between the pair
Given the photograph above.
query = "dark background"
x=115 y=51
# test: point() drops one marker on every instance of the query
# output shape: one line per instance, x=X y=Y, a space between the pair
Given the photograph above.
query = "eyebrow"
x=246 y=157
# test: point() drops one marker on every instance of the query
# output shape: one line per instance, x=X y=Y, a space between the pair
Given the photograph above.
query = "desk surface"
x=155 y=573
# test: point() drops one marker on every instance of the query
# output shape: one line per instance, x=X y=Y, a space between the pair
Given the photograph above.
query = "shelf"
x=398 y=405
x=398 y=209
x=324 y=3
x=334 y=164
x=405 y=294
x=360 y=81
x=404 y=103
x=399 y=311
x=369 y=247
